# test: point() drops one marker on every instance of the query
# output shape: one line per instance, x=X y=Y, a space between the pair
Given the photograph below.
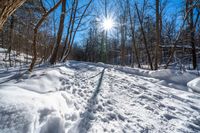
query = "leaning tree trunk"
x=76 y=29
x=35 y=34
x=144 y=38
x=7 y=7
x=59 y=35
x=70 y=28
x=134 y=47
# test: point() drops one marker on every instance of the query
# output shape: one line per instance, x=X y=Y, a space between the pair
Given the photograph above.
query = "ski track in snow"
x=96 y=98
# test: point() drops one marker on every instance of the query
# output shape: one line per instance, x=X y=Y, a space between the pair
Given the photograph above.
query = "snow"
x=194 y=84
x=17 y=59
x=179 y=46
x=49 y=81
x=167 y=77
x=80 y=97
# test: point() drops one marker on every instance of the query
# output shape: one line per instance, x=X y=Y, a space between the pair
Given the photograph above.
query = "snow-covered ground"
x=194 y=84
x=17 y=59
x=80 y=97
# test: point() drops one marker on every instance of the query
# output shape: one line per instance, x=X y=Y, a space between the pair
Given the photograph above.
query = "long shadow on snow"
x=82 y=66
x=85 y=123
x=13 y=77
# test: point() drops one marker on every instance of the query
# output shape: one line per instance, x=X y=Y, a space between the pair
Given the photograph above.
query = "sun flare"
x=108 y=24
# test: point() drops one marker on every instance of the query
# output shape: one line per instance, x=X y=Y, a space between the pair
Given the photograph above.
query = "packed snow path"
x=79 y=97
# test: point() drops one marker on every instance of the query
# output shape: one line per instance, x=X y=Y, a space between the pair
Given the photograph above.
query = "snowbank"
x=23 y=111
x=194 y=84
x=167 y=77
x=42 y=82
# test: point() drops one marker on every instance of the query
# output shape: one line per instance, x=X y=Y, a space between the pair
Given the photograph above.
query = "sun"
x=108 y=24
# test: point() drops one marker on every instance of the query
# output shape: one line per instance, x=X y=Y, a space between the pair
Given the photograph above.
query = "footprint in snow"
x=71 y=117
x=169 y=116
x=148 y=108
x=64 y=81
x=121 y=117
x=80 y=94
x=74 y=91
x=100 y=108
x=195 y=108
x=43 y=114
x=68 y=87
x=158 y=97
x=111 y=116
x=110 y=108
x=85 y=91
x=67 y=99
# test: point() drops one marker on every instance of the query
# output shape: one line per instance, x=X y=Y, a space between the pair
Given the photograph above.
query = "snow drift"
x=194 y=84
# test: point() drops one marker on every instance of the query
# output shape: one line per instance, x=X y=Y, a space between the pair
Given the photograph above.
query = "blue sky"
x=173 y=7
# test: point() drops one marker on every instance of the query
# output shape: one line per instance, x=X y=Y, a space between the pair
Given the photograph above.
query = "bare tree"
x=144 y=38
x=132 y=24
x=35 y=34
x=192 y=26
x=157 y=34
x=7 y=7
x=59 y=34
x=71 y=40
x=70 y=27
x=187 y=12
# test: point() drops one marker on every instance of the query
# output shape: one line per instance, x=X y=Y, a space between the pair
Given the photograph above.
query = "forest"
x=133 y=33
x=80 y=66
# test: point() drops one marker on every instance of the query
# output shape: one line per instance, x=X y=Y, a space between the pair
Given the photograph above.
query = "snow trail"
x=84 y=124
x=80 y=97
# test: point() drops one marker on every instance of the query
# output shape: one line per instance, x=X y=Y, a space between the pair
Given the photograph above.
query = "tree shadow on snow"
x=85 y=123
x=12 y=77
x=82 y=66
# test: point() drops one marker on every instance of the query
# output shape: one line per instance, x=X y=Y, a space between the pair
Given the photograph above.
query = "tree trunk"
x=192 y=33
x=180 y=33
x=66 y=42
x=134 y=48
x=70 y=28
x=59 y=35
x=157 y=35
x=144 y=38
x=11 y=38
x=71 y=40
x=122 y=45
x=7 y=7
x=35 y=35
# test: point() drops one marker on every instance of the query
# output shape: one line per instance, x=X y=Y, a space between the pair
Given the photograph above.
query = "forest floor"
x=80 y=97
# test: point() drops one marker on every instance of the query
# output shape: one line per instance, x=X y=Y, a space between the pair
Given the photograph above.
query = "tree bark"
x=192 y=33
x=11 y=38
x=35 y=34
x=66 y=42
x=59 y=34
x=70 y=28
x=157 y=35
x=7 y=7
